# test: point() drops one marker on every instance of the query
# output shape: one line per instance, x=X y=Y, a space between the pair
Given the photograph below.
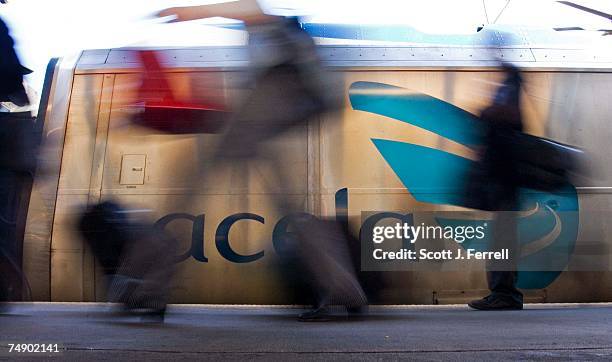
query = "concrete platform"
x=87 y=332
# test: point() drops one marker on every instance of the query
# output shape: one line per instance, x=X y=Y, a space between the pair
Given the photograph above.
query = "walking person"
x=501 y=167
x=289 y=87
x=17 y=158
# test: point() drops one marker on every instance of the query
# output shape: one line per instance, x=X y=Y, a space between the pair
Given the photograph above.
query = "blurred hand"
x=180 y=14
x=245 y=10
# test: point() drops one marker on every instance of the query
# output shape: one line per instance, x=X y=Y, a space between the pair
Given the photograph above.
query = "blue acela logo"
x=548 y=227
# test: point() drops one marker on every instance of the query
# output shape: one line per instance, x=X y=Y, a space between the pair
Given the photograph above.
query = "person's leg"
x=158 y=271
x=502 y=274
x=144 y=277
x=502 y=284
x=3 y=283
x=326 y=263
x=6 y=235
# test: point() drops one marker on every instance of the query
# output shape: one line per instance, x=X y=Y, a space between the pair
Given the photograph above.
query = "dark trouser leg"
x=8 y=244
x=3 y=284
x=326 y=261
x=502 y=274
x=503 y=285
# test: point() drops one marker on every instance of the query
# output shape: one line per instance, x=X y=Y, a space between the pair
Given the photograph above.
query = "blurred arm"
x=245 y=10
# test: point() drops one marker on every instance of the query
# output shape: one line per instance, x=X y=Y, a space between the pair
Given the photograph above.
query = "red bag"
x=160 y=110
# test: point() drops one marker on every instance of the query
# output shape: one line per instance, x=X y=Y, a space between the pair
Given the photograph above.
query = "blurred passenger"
x=17 y=157
x=137 y=259
x=11 y=71
x=289 y=87
x=501 y=172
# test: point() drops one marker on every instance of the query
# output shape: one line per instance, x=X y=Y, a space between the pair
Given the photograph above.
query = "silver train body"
x=92 y=152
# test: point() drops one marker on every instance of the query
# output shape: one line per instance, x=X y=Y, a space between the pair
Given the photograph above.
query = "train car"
x=392 y=148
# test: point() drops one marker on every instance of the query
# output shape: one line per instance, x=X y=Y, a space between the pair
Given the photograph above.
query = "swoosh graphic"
x=546 y=233
x=482 y=216
x=539 y=245
x=418 y=109
x=427 y=172
x=407 y=133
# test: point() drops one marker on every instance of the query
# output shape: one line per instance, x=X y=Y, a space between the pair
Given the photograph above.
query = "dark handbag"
x=543 y=164
x=537 y=163
x=19 y=141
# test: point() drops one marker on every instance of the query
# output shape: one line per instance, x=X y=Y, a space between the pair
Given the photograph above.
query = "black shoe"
x=317 y=315
x=154 y=316
x=495 y=303
x=357 y=311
